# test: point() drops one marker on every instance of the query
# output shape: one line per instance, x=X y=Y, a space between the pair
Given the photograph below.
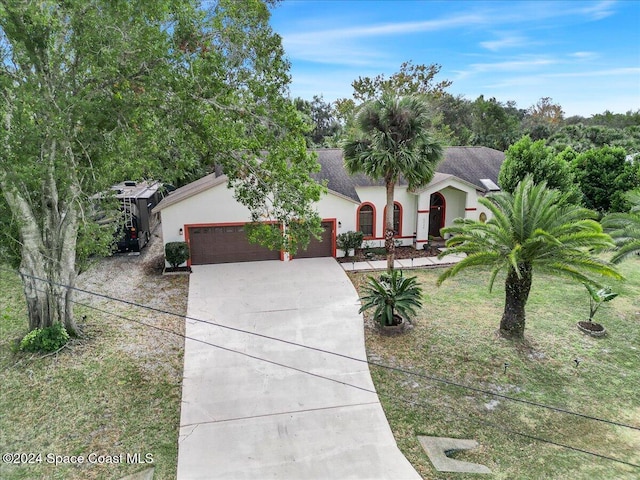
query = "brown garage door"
x=225 y=244
x=322 y=247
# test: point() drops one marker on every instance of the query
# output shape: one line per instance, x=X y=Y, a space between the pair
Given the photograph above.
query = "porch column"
x=422 y=220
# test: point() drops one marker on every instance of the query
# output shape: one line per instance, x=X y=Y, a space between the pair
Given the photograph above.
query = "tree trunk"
x=389 y=244
x=48 y=266
x=516 y=295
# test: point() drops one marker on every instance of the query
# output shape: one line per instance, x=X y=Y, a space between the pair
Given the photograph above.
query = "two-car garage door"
x=228 y=243
x=225 y=244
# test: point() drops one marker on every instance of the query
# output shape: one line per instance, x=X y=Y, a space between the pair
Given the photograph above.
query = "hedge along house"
x=206 y=215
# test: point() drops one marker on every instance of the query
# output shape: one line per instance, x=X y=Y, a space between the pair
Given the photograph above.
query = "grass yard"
x=115 y=391
x=455 y=338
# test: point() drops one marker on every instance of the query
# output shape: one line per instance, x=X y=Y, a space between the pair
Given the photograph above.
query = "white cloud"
x=342 y=45
x=624 y=71
x=599 y=10
x=384 y=29
x=506 y=41
x=515 y=66
x=364 y=44
x=546 y=51
x=584 y=55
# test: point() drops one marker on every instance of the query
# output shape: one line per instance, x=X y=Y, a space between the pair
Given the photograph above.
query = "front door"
x=436 y=214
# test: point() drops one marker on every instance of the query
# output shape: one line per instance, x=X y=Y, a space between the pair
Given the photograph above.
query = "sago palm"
x=533 y=228
x=392 y=142
x=392 y=294
x=624 y=228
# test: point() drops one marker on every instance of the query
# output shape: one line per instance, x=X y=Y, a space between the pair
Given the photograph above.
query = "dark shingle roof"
x=467 y=163
x=472 y=164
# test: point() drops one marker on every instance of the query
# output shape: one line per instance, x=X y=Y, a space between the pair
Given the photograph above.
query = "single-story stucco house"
x=206 y=215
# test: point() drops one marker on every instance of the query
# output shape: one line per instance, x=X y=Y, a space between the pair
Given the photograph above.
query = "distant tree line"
x=595 y=160
x=490 y=123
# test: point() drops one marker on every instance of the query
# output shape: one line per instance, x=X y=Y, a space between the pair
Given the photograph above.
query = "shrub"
x=48 y=339
x=176 y=253
x=349 y=241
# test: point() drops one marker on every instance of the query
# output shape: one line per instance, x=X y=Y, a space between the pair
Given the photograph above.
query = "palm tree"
x=625 y=228
x=392 y=141
x=532 y=228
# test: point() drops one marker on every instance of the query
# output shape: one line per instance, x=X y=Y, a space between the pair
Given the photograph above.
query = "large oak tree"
x=98 y=91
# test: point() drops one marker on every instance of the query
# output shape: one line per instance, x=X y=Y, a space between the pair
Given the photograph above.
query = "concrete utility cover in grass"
x=143 y=475
x=436 y=448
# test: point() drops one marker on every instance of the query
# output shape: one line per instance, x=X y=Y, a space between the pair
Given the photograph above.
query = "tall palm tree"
x=392 y=140
x=532 y=228
x=625 y=228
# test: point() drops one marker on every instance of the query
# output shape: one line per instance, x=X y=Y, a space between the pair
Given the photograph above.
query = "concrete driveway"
x=244 y=418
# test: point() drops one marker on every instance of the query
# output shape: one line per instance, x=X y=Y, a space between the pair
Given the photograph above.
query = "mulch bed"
x=401 y=253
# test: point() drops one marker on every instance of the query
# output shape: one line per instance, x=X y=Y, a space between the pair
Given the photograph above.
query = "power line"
x=348 y=357
x=347 y=384
x=391 y=397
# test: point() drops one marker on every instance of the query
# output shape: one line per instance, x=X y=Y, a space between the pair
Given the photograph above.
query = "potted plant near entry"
x=349 y=241
x=596 y=299
x=393 y=298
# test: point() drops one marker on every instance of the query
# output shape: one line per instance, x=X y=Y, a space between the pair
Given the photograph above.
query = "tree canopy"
x=410 y=80
x=528 y=158
x=96 y=92
x=604 y=176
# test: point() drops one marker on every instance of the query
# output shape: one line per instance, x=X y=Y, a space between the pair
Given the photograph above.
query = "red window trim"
x=400 y=215
x=373 y=227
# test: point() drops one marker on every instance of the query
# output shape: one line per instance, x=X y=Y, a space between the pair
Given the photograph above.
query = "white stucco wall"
x=460 y=202
x=456 y=201
x=378 y=197
x=340 y=208
x=217 y=205
x=480 y=210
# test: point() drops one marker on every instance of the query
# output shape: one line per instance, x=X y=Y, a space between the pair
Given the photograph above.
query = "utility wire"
x=368 y=390
x=391 y=397
x=348 y=357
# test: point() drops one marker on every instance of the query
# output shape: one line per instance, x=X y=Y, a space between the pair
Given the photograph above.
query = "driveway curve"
x=245 y=418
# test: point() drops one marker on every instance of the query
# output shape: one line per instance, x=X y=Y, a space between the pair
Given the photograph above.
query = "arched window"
x=367 y=219
x=397 y=218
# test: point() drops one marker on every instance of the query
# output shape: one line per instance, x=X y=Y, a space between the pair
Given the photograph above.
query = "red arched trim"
x=373 y=219
x=443 y=205
x=400 y=215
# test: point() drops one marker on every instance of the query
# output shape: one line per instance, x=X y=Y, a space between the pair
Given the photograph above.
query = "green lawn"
x=115 y=391
x=455 y=338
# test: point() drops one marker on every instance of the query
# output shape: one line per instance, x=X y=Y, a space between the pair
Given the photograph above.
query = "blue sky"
x=585 y=55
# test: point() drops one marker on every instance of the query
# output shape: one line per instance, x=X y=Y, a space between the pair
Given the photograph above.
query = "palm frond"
x=472 y=260
x=532 y=226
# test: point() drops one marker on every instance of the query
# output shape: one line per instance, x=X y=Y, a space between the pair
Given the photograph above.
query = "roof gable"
x=470 y=164
x=189 y=190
